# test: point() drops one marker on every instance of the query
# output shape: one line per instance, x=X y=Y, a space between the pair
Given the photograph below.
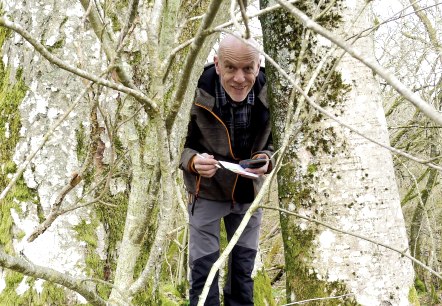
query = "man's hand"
x=205 y=165
x=263 y=169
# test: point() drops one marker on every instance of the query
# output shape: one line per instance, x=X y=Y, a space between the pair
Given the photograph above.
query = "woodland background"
x=94 y=104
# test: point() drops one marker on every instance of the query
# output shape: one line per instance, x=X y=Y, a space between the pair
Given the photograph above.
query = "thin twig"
x=149 y=104
x=74 y=181
x=133 y=5
x=48 y=134
x=329 y=114
x=319 y=299
x=245 y=19
x=401 y=252
x=233 y=16
x=417 y=101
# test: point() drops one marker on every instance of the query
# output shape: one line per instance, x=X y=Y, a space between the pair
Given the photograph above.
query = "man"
x=230 y=121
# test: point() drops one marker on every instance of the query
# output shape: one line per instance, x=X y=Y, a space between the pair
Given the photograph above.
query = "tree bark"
x=136 y=75
x=331 y=174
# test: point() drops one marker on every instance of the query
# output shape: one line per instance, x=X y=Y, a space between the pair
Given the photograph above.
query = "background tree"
x=410 y=45
x=94 y=105
x=95 y=97
x=332 y=174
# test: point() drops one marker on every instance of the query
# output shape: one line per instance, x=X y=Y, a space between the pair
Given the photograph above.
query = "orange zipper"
x=230 y=148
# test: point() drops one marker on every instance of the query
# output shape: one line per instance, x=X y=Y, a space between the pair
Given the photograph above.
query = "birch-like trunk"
x=49 y=94
x=123 y=147
x=332 y=174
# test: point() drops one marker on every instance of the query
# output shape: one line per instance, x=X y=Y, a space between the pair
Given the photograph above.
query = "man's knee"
x=200 y=269
x=239 y=287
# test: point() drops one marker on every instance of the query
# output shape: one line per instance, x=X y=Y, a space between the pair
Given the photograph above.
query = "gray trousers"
x=205 y=220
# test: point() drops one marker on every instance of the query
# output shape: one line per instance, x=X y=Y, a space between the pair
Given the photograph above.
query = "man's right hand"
x=205 y=164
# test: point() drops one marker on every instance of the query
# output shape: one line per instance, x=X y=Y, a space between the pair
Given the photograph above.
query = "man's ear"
x=257 y=68
x=216 y=61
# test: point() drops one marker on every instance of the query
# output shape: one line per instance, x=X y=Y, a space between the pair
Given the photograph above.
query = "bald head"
x=231 y=44
x=237 y=65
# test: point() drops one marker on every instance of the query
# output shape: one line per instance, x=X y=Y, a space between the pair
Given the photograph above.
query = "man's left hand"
x=262 y=170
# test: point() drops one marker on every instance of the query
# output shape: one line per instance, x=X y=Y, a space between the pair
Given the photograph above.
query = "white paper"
x=237 y=169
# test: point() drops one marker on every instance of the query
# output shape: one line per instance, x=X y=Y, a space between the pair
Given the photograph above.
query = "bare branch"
x=423 y=106
x=190 y=60
x=42 y=227
x=431 y=31
x=20 y=265
x=245 y=19
x=149 y=104
x=333 y=117
x=401 y=252
x=133 y=5
x=233 y=17
x=48 y=134
x=166 y=209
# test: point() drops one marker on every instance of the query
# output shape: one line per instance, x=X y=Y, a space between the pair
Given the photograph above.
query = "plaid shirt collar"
x=222 y=99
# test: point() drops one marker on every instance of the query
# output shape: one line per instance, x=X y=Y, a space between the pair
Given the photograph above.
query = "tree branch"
x=55 y=210
x=133 y=5
x=48 y=134
x=402 y=253
x=423 y=106
x=107 y=41
x=149 y=104
x=189 y=62
x=20 y=265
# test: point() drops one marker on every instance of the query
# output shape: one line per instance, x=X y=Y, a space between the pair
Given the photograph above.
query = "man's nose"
x=239 y=76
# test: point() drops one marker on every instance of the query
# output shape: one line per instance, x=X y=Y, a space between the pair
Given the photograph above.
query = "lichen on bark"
x=329 y=173
x=298 y=185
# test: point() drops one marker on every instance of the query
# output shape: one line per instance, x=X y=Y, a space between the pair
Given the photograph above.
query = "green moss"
x=8 y=296
x=86 y=232
x=12 y=93
x=300 y=275
x=57 y=45
x=82 y=144
x=170 y=296
x=95 y=266
x=53 y=294
x=413 y=297
x=263 y=295
x=419 y=286
x=6 y=227
x=135 y=58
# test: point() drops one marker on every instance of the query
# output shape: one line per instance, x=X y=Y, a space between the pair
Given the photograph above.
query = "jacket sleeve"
x=268 y=150
x=191 y=146
x=267 y=147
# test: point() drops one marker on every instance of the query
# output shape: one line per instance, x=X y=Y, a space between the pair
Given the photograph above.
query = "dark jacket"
x=208 y=134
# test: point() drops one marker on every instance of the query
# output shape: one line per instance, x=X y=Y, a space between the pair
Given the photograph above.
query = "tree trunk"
x=114 y=152
x=331 y=174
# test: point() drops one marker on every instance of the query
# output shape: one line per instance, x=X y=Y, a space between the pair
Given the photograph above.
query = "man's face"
x=237 y=68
